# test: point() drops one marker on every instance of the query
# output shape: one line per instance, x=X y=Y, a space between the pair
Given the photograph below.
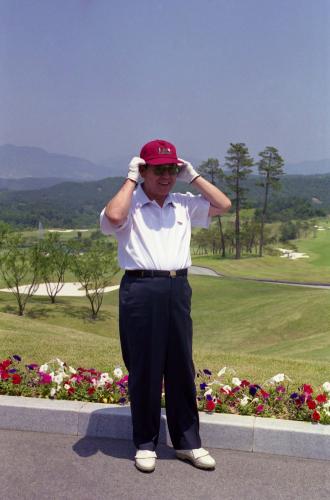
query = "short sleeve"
x=198 y=208
x=108 y=228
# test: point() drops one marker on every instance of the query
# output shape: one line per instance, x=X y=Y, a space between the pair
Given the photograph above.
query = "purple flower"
x=209 y=397
x=253 y=389
x=122 y=400
x=17 y=357
x=294 y=395
x=13 y=370
x=207 y=372
x=280 y=388
x=32 y=366
x=302 y=398
x=202 y=386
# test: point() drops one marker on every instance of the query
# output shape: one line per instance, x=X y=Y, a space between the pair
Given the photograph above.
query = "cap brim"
x=164 y=161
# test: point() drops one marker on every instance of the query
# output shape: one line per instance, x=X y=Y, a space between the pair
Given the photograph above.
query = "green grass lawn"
x=257 y=329
x=315 y=268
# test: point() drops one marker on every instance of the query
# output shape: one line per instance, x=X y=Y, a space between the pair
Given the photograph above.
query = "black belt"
x=143 y=273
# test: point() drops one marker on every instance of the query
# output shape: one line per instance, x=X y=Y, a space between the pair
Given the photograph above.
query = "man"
x=153 y=229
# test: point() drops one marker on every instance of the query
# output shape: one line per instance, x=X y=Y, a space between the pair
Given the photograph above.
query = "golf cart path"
x=206 y=271
x=75 y=289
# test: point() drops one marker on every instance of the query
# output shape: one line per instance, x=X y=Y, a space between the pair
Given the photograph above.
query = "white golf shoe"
x=198 y=457
x=145 y=460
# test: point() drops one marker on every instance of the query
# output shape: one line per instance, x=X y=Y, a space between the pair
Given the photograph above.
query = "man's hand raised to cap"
x=133 y=168
x=187 y=172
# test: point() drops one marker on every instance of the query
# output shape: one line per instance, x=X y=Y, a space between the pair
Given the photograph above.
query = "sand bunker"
x=290 y=254
x=66 y=230
x=68 y=290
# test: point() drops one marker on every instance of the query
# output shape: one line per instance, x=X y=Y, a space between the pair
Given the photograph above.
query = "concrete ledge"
x=234 y=432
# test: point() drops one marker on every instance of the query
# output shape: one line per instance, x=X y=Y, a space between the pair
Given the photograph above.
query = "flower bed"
x=224 y=394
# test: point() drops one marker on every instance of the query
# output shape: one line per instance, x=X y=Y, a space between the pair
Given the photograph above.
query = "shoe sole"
x=145 y=470
x=207 y=467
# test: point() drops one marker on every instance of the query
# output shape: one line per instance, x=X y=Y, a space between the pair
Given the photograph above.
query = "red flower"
x=219 y=401
x=264 y=393
x=245 y=383
x=321 y=398
x=71 y=390
x=16 y=379
x=4 y=375
x=259 y=408
x=307 y=389
x=316 y=416
x=91 y=390
x=5 y=364
x=210 y=405
x=311 y=405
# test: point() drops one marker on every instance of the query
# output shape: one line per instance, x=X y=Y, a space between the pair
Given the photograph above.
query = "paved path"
x=52 y=466
x=75 y=290
x=206 y=271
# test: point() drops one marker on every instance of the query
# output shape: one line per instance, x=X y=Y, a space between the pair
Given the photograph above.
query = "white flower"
x=72 y=370
x=58 y=378
x=278 y=378
x=222 y=371
x=326 y=386
x=67 y=386
x=118 y=372
x=327 y=404
x=52 y=374
x=60 y=362
x=227 y=388
x=208 y=392
x=244 y=401
x=255 y=400
x=53 y=391
x=104 y=378
x=43 y=368
x=236 y=381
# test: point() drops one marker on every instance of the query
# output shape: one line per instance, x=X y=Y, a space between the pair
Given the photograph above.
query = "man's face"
x=159 y=180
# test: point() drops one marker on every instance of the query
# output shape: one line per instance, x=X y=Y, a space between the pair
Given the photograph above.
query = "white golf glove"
x=187 y=172
x=133 y=168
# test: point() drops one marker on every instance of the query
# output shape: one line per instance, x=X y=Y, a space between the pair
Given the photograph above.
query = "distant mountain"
x=308 y=167
x=17 y=162
x=29 y=183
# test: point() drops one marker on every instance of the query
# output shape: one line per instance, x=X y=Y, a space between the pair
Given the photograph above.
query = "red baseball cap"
x=159 y=152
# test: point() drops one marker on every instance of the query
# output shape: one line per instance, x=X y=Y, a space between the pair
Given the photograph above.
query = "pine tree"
x=270 y=168
x=239 y=162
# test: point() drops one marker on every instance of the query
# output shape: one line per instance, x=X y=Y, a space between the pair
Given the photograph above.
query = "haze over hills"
x=17 y=162
x=308 y=167
x=24 y=167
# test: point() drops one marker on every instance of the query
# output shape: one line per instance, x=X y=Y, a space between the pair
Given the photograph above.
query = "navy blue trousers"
x=156 y=342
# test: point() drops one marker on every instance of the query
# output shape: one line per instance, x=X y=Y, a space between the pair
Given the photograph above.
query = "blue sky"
x=99 y=78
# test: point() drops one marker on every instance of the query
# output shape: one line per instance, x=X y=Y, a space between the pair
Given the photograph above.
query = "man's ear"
x=142 y=169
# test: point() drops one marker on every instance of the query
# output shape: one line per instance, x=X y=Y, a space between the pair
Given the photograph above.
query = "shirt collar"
x=142 y=199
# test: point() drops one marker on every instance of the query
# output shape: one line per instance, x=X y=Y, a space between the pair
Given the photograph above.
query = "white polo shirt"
x=154 y=237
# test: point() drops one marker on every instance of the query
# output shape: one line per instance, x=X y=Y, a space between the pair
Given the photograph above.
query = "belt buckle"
x=173 y=274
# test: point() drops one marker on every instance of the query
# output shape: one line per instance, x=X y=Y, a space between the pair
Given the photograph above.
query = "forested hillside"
x=78 y=204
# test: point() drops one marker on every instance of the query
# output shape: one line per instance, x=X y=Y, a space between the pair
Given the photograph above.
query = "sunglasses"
x=161 y=169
